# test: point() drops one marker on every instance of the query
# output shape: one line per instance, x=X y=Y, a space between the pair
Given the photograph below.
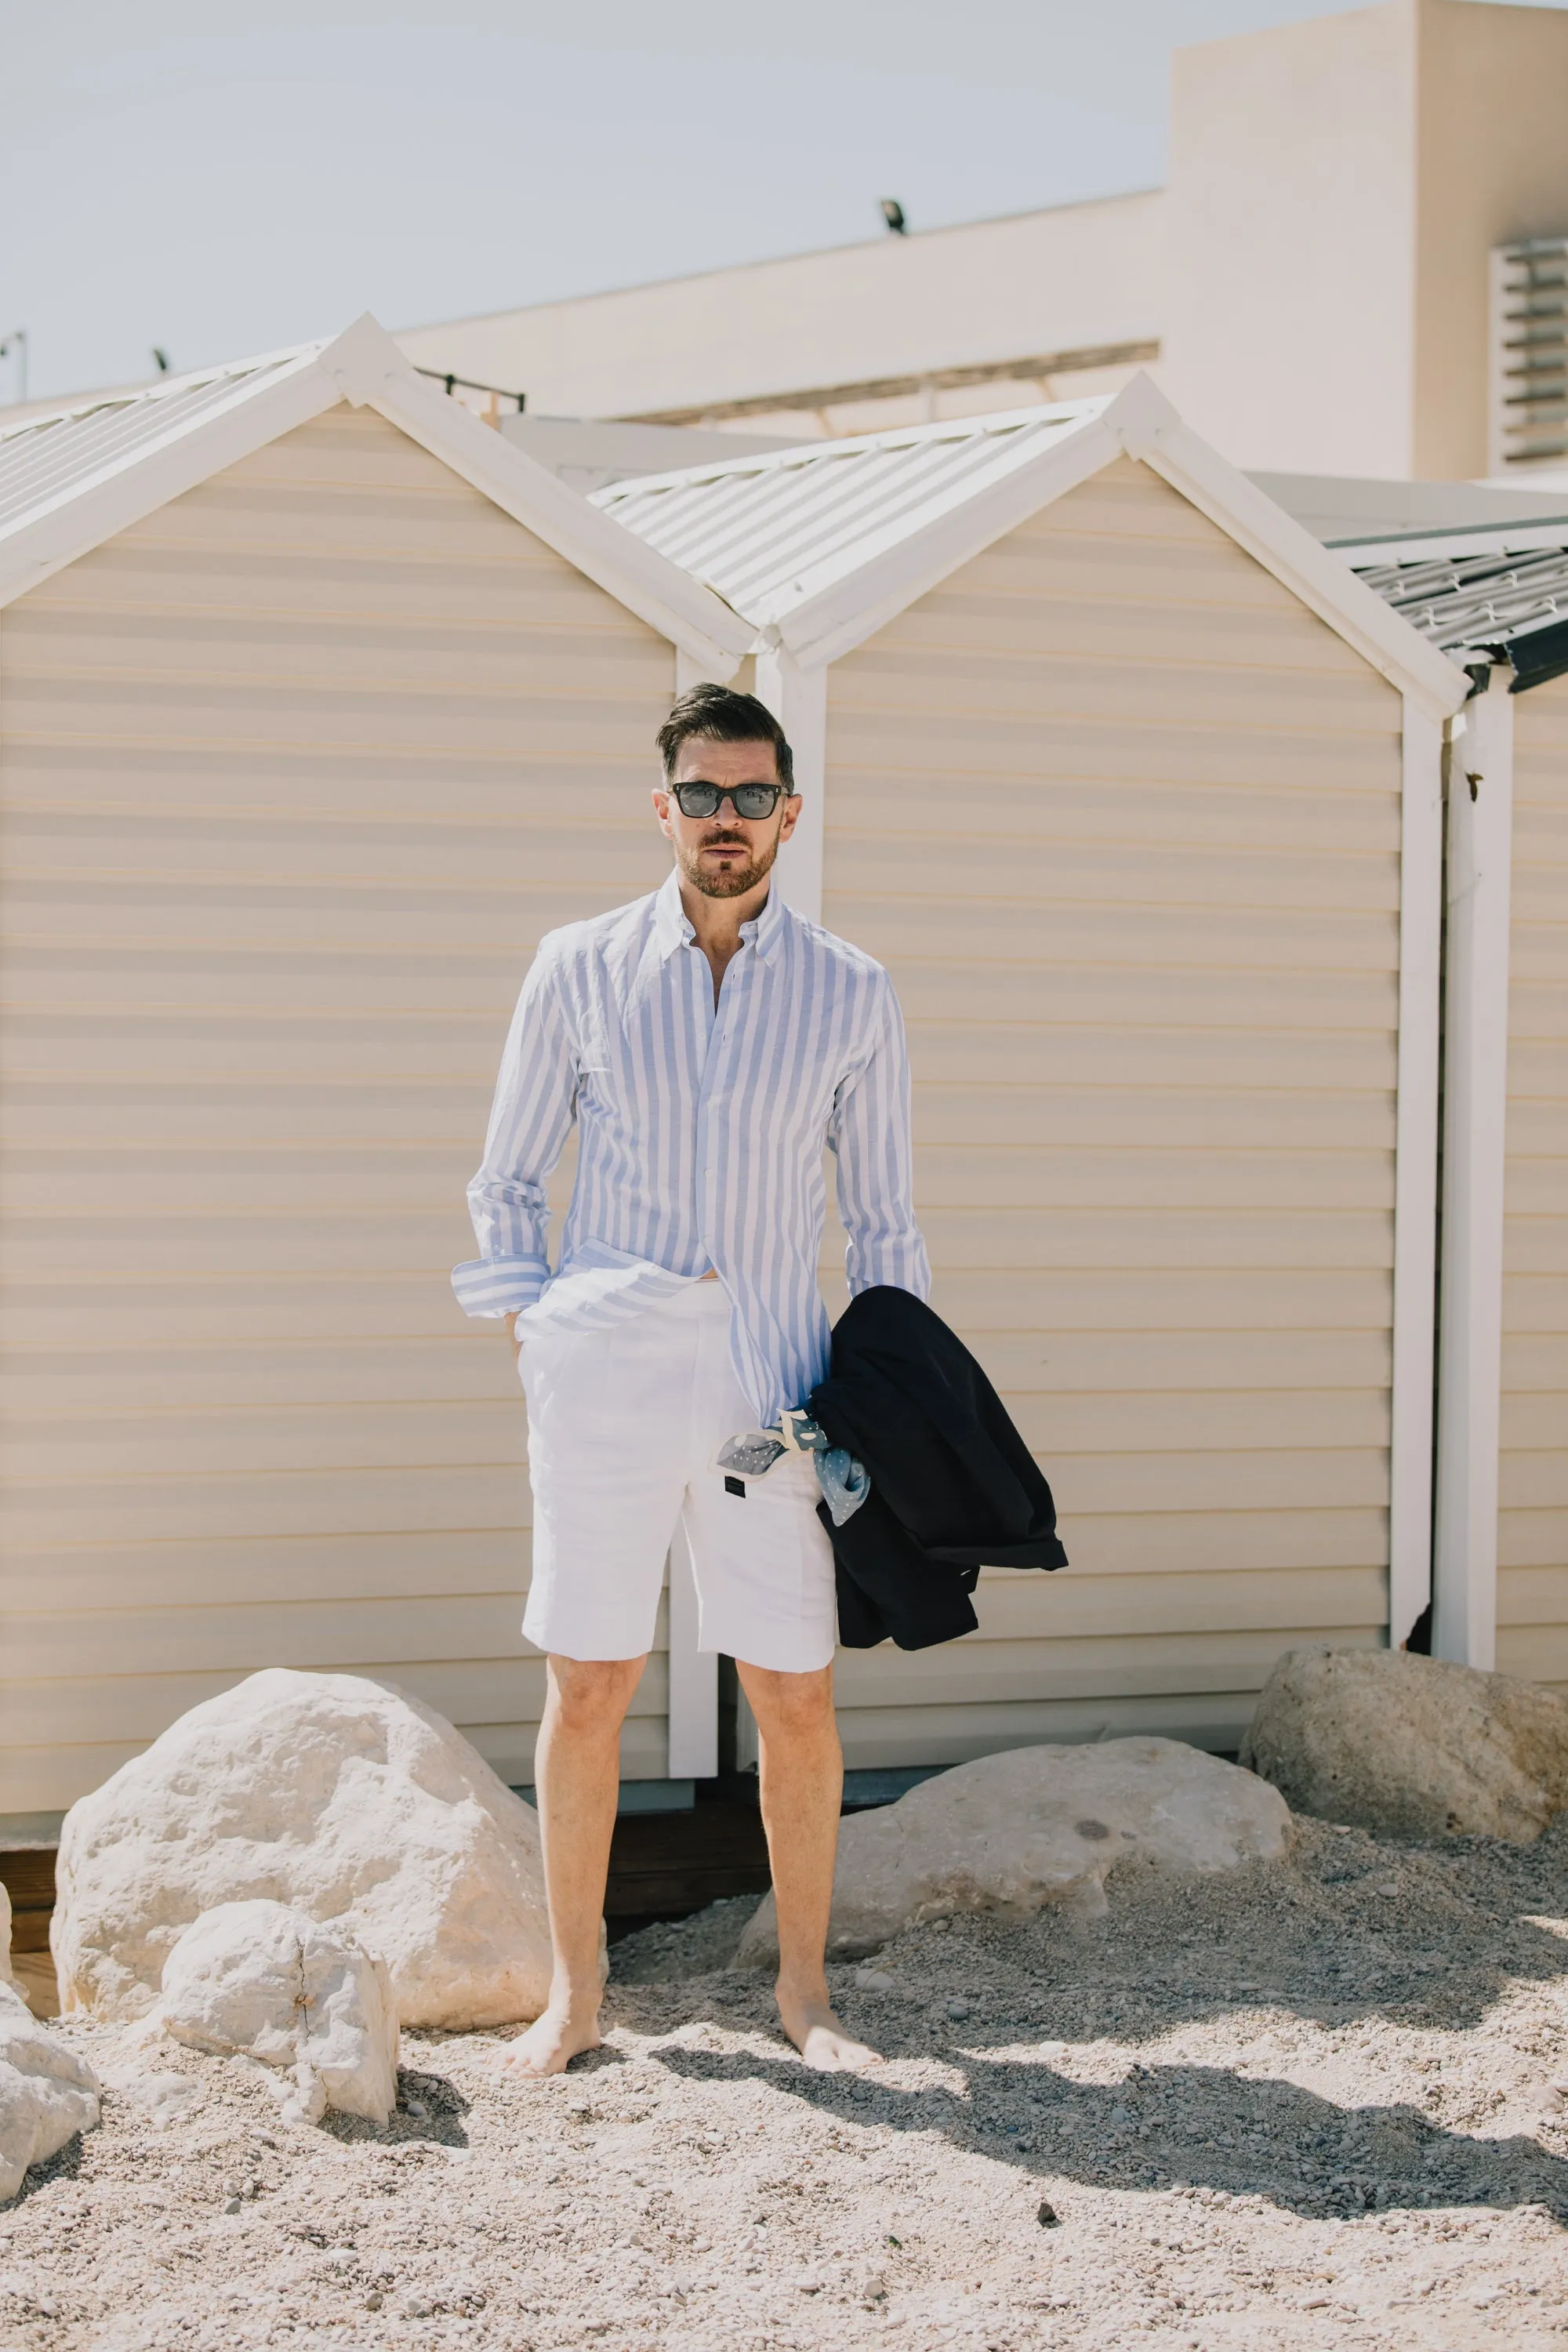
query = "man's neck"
x=717 y=921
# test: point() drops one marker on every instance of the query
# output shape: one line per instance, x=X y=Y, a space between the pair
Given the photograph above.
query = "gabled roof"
x=1493 y=594
x=72 y=478
x=821 y=546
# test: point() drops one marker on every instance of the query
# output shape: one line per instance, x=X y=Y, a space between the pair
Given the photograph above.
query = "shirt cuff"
x=898 y=1264
x=499 y=1285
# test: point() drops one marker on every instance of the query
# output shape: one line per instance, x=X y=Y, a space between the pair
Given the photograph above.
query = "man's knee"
x=591 y=1695
x=790 y=1705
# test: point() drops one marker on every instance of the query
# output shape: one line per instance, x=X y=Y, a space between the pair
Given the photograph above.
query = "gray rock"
x=260 y=1979
x=47 y=2093
x=1009 y=1833
x=338 y=1796
x=1411 y=1746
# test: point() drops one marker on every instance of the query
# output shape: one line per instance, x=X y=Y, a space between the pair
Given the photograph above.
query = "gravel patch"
x=1309 y=2105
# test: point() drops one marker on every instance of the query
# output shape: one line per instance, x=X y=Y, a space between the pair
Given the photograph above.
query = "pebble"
x=1047 y=2217
x=958 y=2011
x=875 y=1980
x=162 y=2098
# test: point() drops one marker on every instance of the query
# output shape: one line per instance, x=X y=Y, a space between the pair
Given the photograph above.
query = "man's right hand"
x=511 y=1335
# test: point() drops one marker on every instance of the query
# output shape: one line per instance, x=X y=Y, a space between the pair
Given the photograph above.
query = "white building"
x=1311 y=287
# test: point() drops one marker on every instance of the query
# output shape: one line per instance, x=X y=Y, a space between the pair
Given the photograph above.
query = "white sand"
x=1300 y=2107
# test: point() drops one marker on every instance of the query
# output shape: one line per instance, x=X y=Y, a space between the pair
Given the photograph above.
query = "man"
x=709 y=1041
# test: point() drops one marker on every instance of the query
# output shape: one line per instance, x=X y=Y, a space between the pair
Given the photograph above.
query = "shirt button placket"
x=716 y=1069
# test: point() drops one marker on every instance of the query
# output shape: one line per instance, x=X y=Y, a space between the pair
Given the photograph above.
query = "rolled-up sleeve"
x=870 y=1133
x=531 y=1119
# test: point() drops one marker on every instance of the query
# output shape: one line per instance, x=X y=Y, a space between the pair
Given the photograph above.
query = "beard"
x=734 y=881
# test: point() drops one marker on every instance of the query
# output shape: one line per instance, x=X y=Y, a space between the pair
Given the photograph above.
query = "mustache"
x=726 y=841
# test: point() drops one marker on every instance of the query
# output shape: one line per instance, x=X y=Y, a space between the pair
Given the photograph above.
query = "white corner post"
x=1415 y=1172
x=1475 y=1106
x=798 y=700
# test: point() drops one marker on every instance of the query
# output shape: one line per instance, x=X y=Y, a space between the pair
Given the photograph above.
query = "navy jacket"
x=953 y=1486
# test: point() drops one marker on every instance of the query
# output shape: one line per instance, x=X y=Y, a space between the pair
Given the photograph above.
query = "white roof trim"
x=961 y=523
x=1139 y=422
x=1286 y=548
x=364 y=367
x=1454 y=545
x=92 y=507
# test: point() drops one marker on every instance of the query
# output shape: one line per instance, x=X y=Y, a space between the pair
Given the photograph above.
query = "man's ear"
x=791 y=809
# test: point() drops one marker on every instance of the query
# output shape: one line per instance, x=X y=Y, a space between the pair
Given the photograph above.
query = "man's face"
x=724 y=855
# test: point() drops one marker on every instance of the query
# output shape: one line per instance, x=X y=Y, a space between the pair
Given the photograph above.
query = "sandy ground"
x=1309 y=2106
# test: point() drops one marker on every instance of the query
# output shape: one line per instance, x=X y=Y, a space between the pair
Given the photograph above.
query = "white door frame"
x=1415 y=1172
x=1475 y=1111
x=798 y=700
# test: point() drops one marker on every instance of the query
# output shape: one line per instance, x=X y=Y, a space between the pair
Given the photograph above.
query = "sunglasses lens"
x=749 y=801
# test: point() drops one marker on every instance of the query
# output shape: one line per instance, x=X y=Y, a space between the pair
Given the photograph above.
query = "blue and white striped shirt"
x=699 y=1133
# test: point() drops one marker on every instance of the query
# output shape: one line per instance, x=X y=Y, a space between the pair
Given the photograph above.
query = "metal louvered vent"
x=1529 y=405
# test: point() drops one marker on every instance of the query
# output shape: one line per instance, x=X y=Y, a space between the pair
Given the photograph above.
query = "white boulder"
x=1411 y=1746
x=1012 y=1832
x=263 y=1980
x=47 y=2093
x=7 y=1973
x=339 y=1797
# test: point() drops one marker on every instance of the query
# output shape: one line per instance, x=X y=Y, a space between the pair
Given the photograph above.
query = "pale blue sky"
x=221 y=178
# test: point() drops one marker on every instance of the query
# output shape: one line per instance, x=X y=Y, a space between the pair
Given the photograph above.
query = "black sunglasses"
x=750 y=802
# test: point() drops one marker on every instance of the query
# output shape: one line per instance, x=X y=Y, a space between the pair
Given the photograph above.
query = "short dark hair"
x=722 y=716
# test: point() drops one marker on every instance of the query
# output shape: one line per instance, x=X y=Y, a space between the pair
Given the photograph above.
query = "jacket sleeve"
x=535 y=1102
x=870 y=1133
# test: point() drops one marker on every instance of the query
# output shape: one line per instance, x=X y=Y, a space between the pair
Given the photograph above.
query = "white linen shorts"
x=623 y=1425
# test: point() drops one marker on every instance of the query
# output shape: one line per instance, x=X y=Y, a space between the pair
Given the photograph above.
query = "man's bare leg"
x=577 y=1778
x=803 y=1791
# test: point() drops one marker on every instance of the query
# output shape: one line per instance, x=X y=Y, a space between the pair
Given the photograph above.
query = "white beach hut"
x=319 y=703
x=1138 y=793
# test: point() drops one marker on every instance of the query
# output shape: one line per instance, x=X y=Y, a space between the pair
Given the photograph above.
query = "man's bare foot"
x=552 y=2041
x=821 y=2040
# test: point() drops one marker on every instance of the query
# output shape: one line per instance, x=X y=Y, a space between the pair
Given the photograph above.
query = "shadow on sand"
x=1178 y=2126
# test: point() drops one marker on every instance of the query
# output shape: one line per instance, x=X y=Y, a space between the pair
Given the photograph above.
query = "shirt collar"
x=672 y=927
x=766 y=930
